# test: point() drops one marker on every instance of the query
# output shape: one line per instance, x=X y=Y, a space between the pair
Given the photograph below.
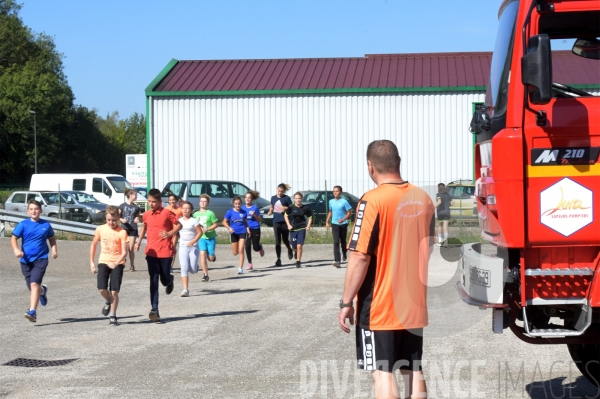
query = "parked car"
x=53 y=205
x=142 y=191
x=463 y=197
x=107 y=188
x=95 y=209
x=221 y=193
x=317 y=202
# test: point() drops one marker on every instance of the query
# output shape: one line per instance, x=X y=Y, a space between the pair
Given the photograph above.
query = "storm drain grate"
x=21 y=362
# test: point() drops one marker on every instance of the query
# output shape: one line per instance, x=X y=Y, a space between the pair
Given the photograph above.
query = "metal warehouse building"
x=307 y=122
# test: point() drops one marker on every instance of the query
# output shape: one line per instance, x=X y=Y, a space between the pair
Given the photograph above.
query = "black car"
x=317 y=202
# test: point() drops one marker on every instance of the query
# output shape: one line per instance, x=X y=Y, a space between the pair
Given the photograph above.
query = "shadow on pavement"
x=554 y=388
x=231 y=291
x=239 y=276
x=165 y=320
x=86 y=319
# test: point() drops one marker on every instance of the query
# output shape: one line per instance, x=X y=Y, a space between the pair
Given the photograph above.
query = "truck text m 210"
x=538 y=180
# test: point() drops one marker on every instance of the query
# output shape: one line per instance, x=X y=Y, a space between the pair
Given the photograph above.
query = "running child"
x=33 y=254
x=111 y=264
x=161 y=225
x=189 y=235
x=129 y=215
x=339 y=213
x=279 y=204
x=237 y=225
x=174 y=206
x=301 y=218
x=209 y=223
x=254 y=219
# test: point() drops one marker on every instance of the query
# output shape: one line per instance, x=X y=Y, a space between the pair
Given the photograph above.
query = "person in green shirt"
x=207 y=219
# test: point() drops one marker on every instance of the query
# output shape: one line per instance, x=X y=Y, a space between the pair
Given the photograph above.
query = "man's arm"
x=356 y=270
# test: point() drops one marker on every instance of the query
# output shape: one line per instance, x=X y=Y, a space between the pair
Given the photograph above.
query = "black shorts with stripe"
x=389 y=350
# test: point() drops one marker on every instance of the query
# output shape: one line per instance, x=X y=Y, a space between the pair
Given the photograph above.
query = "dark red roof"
x=374 y=71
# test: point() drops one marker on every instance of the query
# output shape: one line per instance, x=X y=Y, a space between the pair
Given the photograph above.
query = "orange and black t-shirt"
x=395 y=226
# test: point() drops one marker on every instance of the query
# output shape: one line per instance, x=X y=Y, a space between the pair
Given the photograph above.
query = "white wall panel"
x=307 y=140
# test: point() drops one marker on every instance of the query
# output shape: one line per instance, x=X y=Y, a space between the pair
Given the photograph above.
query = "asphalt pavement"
x=270 y=333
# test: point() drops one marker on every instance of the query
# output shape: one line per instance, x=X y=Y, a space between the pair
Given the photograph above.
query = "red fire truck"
x=538 y=180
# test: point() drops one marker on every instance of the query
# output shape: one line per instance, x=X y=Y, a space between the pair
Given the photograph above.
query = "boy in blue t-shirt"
x=33 y=233
x=339 y=213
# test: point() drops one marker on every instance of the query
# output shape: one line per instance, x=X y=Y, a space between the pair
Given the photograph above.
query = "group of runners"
x=393 y=236
x=174 y=229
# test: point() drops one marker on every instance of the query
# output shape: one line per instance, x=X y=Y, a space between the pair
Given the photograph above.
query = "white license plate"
x=265 y=216
x=480 y=276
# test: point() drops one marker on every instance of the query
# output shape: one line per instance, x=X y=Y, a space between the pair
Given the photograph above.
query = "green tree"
x=31 y=78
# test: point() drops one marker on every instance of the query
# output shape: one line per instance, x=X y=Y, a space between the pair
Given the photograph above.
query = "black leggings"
x=339 y=232
x=281 y=233
x=252 y=242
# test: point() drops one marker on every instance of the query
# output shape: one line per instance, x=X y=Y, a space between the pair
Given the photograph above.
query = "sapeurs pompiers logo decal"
x=566 y=207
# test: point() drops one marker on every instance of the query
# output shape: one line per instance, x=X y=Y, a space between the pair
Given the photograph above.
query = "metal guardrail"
x=57 y=224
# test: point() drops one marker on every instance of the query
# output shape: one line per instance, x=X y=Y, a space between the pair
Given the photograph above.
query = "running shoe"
x=132 y=268
x=298 y=265
x=240 y=270
x=205 y=278
x=290 y=254
x=344 y=257
x=113 y=321
x=336 y=264
x=31 y=316
x=106 y=308
x=278 y=262
x=249 y=267
x=261 y=251
x=439 y=243
x=170 y=287
x=154 y=316
x=43 y=297
x=185 y=293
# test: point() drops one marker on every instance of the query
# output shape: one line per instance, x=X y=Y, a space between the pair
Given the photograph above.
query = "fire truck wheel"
x=587 y=359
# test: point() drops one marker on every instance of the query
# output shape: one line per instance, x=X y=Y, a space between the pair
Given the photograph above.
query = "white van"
x=106 y=188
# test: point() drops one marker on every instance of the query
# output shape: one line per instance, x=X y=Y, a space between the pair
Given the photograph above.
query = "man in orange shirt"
x=161 y=225
x=387 y=273
x=113 y=251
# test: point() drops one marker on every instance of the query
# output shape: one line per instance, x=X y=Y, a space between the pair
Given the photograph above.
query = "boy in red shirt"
x=161 y=225
x=111 y=263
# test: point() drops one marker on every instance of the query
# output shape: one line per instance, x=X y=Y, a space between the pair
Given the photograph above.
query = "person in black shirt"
x=444 y=201
x=301 y=219
x=129 y=217
x=279 y=204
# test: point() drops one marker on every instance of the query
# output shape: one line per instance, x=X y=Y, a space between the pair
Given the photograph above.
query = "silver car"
x=96 y=210
x=53 y=205
x=221 y=193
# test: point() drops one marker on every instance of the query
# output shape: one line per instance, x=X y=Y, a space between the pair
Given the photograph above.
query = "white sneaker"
x=240 y=270
x=336 y=264
x=439 y=243
x=185 y=293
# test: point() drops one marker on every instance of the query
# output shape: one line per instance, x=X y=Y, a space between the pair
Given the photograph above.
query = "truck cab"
x=538 y=180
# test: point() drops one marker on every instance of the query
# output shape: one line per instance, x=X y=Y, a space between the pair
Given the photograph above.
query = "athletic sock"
x=439 y=238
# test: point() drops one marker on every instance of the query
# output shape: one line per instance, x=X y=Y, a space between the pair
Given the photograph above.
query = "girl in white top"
x=189 y=235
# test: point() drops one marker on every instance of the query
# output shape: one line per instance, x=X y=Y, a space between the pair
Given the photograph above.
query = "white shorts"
x=188 y=259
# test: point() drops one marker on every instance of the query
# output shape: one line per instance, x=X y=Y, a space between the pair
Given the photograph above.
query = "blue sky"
x=113 y=49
